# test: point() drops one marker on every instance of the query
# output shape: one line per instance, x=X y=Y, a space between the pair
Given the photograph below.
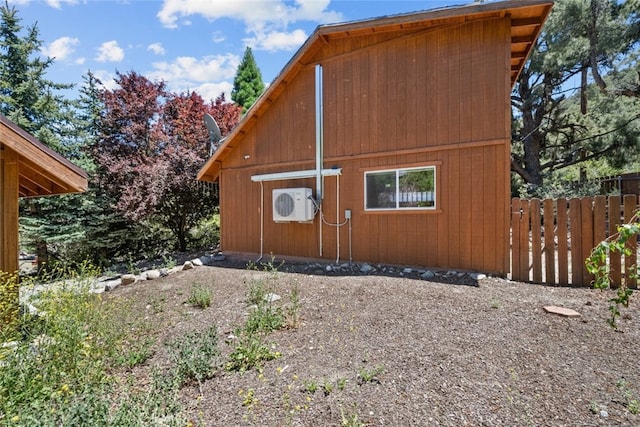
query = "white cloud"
x=156 y=48
x=208 y=76
x=107 y=78
x=110 y=52
x=61 y=48
x=57 y=4
x=276 y=40
x=211 y=68
x=268 y=19
x=210 y=91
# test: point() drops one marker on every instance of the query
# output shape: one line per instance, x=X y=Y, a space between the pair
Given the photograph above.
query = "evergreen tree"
x=247 y=84
x=36 y=105
x=581 y=38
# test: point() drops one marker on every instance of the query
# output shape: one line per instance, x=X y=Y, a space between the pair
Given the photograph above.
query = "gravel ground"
x=449 y=351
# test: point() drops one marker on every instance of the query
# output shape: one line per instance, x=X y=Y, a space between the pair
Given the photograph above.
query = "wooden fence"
x=550 y=239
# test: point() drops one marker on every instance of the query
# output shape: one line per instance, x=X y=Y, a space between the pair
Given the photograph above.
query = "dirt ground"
x=471 y=353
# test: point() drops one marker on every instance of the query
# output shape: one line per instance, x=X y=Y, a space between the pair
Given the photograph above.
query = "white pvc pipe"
x=337 y=219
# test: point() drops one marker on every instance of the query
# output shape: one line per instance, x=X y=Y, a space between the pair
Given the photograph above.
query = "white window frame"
x=398 y=197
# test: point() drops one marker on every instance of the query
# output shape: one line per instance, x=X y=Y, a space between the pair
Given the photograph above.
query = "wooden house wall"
x=9 y=210
x=438 y=97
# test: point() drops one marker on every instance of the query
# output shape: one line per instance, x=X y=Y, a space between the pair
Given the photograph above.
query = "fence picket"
x=630 y=261
x=615 y=260
x=549 y=242
x=586 y=244
x=551 y=239
x=536 y=241
x=524 y=240
x=575 y=232
x=563 y=246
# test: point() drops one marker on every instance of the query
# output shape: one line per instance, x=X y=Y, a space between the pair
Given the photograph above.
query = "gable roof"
x=527 y=18
x=41 y=171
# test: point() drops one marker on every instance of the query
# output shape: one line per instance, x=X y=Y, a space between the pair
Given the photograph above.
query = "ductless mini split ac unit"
x=293 y=204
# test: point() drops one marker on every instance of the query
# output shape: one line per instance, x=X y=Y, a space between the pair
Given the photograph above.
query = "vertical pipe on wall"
x=319 y=147
x=338 y=219
x=261 y=221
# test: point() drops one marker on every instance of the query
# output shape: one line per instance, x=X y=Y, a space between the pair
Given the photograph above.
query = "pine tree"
x=247 y=84
x=35 y=103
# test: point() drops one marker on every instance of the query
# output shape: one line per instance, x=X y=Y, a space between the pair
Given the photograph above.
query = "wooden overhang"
x=527 y=18
x=41 y=171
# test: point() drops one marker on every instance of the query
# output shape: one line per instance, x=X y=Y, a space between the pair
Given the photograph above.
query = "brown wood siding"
x=9 y=211
x=437 y=97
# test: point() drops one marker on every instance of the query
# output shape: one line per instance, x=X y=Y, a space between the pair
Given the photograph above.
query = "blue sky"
x=190 y=44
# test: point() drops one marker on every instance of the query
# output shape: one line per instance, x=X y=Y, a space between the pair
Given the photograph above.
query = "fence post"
x=515 y=239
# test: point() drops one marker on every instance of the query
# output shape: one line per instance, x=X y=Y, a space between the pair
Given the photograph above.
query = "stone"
x=164 y=272
x=478 y=276
x=219 y=257
x=328 y=268
x=366 y=268
x=407 y=270
x=428 y=275
x=197 y=262
x=153 y=274
x=271 y=297
x=174 y=269
x=128 y=279
x=188 y=265
x=206 y=260
x=111 y=284
x=562 y=311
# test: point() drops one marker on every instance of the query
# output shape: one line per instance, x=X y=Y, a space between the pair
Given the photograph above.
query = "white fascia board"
x=281 y=176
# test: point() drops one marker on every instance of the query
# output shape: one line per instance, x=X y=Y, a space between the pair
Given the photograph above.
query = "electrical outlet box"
x=347 y=214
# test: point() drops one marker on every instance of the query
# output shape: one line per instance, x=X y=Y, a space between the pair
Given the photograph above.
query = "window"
x=409 y=188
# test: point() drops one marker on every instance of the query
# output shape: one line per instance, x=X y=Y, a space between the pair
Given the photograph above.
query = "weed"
x=495 y=304
x=249 y=353
x=350 y=419
x=58 y=372
x=342 y=383
x=249 y=401
x=157 y=304
x=169 y=262
x=370 y=375
x=292 y=316
x=327 y=387
x=264 y=318
x=631 y=402
x=195 y=355
x=200 y=296
x=135 y=353
x=310 y=386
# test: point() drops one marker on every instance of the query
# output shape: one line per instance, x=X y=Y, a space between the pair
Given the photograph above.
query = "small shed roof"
x=527 y=18
x=42 y=171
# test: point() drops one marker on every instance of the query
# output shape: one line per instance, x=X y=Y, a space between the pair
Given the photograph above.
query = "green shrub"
x=60 y=369
x=249 y=353
x=200 y=296
x=195 y=355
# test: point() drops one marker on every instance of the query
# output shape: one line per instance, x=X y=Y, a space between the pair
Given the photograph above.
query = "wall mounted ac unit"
x=292 y=204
